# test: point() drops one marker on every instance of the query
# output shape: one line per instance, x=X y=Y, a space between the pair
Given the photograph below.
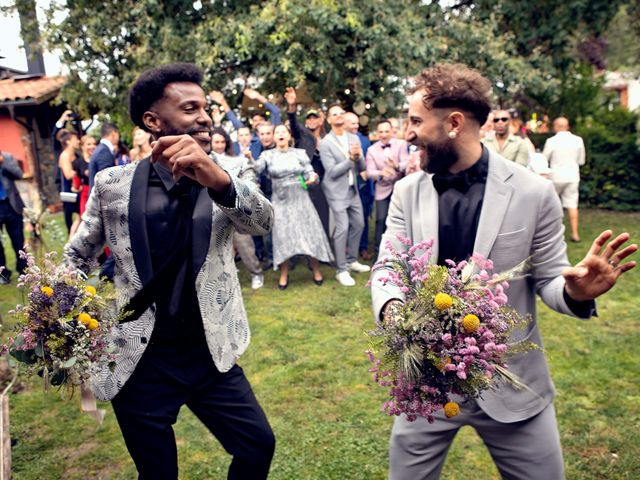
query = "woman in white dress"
x=297 y=229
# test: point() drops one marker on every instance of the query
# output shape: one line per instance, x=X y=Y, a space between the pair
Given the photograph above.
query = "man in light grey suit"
x=342 y=159
x=471 y=200
x=169 y=222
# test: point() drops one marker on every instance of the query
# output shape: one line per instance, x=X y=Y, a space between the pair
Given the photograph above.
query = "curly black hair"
x=149 y=87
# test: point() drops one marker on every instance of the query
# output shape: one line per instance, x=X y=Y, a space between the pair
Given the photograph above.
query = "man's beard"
x=439 y=157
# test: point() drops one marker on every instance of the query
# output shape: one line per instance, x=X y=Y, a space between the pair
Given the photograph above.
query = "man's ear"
x=152 y=121
x=456 y=121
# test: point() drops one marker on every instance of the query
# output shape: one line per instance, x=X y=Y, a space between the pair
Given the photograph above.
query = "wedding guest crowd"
x=349 y=175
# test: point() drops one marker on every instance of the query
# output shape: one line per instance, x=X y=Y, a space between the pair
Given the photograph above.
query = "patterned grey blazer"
x=115 y=216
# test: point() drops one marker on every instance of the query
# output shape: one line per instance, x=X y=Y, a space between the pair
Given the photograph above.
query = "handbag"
x=68 y=197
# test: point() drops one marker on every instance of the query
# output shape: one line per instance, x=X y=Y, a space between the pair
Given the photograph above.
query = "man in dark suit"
x=11 y=207
x=104 y=156
x=169 y=221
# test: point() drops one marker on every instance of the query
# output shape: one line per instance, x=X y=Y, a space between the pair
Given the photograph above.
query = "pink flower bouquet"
x=449 y=337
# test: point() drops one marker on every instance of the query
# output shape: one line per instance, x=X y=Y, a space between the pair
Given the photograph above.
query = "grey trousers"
x=349 y=220
x=526 y=450
x=246 y=249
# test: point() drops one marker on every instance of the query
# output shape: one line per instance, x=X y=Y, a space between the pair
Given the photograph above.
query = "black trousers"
x=382 y=209
x=13 y=223
x=170 y=375
x=69 y=209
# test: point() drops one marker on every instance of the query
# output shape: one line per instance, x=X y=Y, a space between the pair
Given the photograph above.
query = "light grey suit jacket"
x=521 y=217
x=335 y=183
x=115 y=215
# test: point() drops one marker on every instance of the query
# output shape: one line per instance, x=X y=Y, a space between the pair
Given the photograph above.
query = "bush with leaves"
x=611 y=176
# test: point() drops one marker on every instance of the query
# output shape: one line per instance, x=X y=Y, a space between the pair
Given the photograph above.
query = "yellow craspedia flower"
x=93 y=324
x=470 y=323
x=451 y=409
x=90 y=290
x=84 y=318
x=48 y=291
x=442 y=301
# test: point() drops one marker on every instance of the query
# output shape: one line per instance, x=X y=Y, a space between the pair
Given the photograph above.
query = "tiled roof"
x=30 y=90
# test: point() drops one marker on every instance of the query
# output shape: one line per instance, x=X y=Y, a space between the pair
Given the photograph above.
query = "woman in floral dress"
x=297 y=229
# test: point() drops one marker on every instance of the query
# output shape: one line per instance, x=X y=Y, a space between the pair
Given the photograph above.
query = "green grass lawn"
x=307 y=366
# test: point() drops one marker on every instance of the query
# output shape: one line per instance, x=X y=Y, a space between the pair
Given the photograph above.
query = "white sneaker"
x=345 y=279
x=358 y=267
x=257 y=281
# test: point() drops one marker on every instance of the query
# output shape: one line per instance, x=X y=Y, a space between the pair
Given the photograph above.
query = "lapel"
x=201 y=232
x=138 y=223
x=428 y=216
x=497 y=195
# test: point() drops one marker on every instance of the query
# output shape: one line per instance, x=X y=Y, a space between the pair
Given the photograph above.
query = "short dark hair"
x=454 y=85
x=107 y=128
x=383 y=120
x=228 y=144
x=149 y=87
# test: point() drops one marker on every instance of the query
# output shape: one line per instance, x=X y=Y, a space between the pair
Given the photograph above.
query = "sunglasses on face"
x=501 y=119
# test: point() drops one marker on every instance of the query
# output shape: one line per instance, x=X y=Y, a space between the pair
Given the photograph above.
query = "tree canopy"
x=357 y=51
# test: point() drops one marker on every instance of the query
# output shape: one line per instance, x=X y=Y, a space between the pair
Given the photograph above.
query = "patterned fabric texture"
x=106 y=222
x=297 y=229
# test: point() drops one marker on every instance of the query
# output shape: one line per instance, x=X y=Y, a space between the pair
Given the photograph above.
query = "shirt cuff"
x=583 y=309
x=227 y=198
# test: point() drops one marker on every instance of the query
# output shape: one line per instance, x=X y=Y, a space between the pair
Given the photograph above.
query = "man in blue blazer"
x=104 y=156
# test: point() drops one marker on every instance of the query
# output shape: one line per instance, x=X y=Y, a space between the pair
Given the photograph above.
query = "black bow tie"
x=388 y=145
x=459 y=181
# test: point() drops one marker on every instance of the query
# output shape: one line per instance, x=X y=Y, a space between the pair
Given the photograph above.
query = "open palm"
x=600 y=269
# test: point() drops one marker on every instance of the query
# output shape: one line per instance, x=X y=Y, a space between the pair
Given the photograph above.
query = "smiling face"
x=384 y=132
x=88 y=145
x=218 y=144
x=244 y=136
x=140 y=137
x=181 y=111
x=426 y=131
x=265 y=135
x=335 y=116
x=313 y=122
x=351 y=122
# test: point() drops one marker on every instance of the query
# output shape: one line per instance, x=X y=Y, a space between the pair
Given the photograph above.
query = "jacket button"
x=143 y=339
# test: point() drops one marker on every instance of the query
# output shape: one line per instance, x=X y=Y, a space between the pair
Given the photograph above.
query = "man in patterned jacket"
x=169 y=221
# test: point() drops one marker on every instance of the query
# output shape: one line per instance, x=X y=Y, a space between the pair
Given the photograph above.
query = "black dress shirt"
x=460 y=199
x=169 y=221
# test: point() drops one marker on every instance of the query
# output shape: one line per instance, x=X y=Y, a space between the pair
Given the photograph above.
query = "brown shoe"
x=365 y=255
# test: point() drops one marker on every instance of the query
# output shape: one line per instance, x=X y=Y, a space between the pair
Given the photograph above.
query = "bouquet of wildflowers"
x=450 y=335
x=63 y=325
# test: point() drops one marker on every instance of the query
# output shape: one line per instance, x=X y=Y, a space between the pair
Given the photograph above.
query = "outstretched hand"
x=599 y=270
x=290 y=96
